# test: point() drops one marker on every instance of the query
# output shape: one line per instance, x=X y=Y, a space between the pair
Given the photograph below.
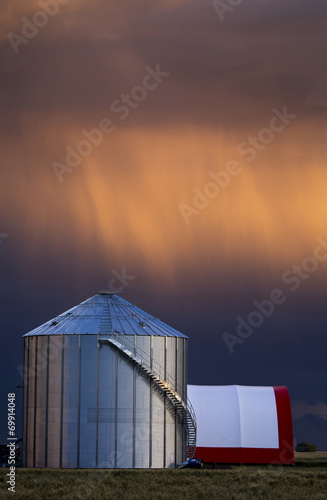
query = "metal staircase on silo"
x=163 y=382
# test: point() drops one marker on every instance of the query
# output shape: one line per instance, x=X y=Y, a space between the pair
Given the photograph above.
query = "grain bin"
x=105 y=385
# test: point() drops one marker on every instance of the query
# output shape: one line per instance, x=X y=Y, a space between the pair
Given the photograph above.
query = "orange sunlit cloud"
x=123 y=201
x=127 y=195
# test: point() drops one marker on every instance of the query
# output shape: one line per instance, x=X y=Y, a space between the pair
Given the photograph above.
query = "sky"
x=175 y=151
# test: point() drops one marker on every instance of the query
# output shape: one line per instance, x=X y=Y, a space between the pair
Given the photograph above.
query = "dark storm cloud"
x=261 y=56
x=311 y=429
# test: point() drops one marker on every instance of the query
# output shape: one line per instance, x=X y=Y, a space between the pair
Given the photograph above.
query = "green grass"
x=306 y=480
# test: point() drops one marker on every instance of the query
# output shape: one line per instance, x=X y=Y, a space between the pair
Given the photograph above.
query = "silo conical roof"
x=106 y=314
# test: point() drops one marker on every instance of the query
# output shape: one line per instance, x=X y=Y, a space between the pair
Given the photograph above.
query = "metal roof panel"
x=105 y=313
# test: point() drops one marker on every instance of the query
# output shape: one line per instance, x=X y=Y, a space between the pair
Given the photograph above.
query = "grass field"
x=306 y=480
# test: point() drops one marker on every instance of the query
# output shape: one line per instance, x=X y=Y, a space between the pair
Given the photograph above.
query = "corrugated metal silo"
x=105 y=385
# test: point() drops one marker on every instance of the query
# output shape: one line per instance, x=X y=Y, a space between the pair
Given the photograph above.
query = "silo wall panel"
x=32 y=379
x=54 y=401
x=88 y=400
x=107 y=410
x=143 y=342
x=171 y=358
x=142 y=422
x=158 y=353
x=125 y=414
x=180 y=366
x=185 y=366
x=157 y=430
x=25 y=400
x=70 y=398
x=180 y=453
x=41 y=401
x=170 y=437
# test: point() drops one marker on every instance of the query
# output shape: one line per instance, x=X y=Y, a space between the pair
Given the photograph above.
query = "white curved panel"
x=259 y=424
x=235 y=416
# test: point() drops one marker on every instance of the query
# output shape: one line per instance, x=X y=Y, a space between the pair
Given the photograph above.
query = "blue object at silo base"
x=105 y=314
x=192 y=463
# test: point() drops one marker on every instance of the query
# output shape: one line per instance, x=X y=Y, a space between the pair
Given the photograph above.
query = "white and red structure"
x=239 y=424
